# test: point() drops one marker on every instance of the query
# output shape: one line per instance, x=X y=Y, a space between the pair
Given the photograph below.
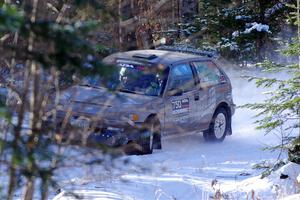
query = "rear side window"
x=208 y=73
x=181 y=77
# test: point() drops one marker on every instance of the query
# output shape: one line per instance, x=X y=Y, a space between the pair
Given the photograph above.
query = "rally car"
x=154 y=93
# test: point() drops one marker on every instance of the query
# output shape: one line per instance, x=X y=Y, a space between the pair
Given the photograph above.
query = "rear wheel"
x=218 y=127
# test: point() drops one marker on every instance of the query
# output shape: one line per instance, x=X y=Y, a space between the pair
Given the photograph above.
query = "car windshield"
x=132 y=78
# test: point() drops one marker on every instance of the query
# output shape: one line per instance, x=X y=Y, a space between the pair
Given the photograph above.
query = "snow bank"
x=92 y=194
x=280 y=184
x=292 y=197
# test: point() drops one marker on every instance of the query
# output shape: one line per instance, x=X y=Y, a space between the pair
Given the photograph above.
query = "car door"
x=209 y=81
x=179 y=99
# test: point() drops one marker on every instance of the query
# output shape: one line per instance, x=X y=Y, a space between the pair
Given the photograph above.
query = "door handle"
x=197 y=97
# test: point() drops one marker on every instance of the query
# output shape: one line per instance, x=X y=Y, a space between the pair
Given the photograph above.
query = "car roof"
x=154 y=56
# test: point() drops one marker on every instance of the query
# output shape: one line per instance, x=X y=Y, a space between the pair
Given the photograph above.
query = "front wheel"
x=218 y=127
x=151 y=137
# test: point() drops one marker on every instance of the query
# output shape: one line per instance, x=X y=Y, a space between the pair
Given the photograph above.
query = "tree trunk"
x=29 y=190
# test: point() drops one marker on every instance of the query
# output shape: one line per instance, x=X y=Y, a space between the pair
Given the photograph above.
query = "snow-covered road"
x=186 y=166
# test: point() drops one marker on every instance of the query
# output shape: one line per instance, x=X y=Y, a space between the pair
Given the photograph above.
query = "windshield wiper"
x=92 y=86
x=127 y=91
x=131 y=92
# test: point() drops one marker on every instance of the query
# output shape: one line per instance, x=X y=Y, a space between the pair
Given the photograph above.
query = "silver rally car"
x=154 y=93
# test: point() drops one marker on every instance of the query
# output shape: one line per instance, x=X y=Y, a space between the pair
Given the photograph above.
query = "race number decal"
x=181 y=106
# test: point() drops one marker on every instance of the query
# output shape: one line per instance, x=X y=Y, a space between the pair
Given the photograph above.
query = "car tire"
x=218 y=127
x=153 y=139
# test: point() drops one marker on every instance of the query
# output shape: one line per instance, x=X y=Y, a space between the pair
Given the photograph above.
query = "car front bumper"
x=107 y=132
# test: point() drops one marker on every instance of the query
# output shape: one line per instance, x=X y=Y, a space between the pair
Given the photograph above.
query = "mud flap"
x=229 y=129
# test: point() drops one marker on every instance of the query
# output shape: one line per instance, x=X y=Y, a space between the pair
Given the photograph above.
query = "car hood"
x=103 y=97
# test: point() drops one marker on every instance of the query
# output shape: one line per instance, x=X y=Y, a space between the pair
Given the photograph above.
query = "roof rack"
x=145 y=56
x=189 y=50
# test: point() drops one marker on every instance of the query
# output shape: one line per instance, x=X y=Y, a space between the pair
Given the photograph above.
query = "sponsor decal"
x=181 y=106
x=126 y=65
x=131 y=65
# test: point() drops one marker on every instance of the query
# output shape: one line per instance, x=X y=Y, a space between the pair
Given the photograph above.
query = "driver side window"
x=181 y=79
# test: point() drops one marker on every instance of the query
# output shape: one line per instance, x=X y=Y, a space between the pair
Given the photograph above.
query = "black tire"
x=217 y=129
x=153 y=140
x=157 y=141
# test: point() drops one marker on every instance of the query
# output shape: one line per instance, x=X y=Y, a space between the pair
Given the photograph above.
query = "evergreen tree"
x=281 y=110
x=240 y=30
